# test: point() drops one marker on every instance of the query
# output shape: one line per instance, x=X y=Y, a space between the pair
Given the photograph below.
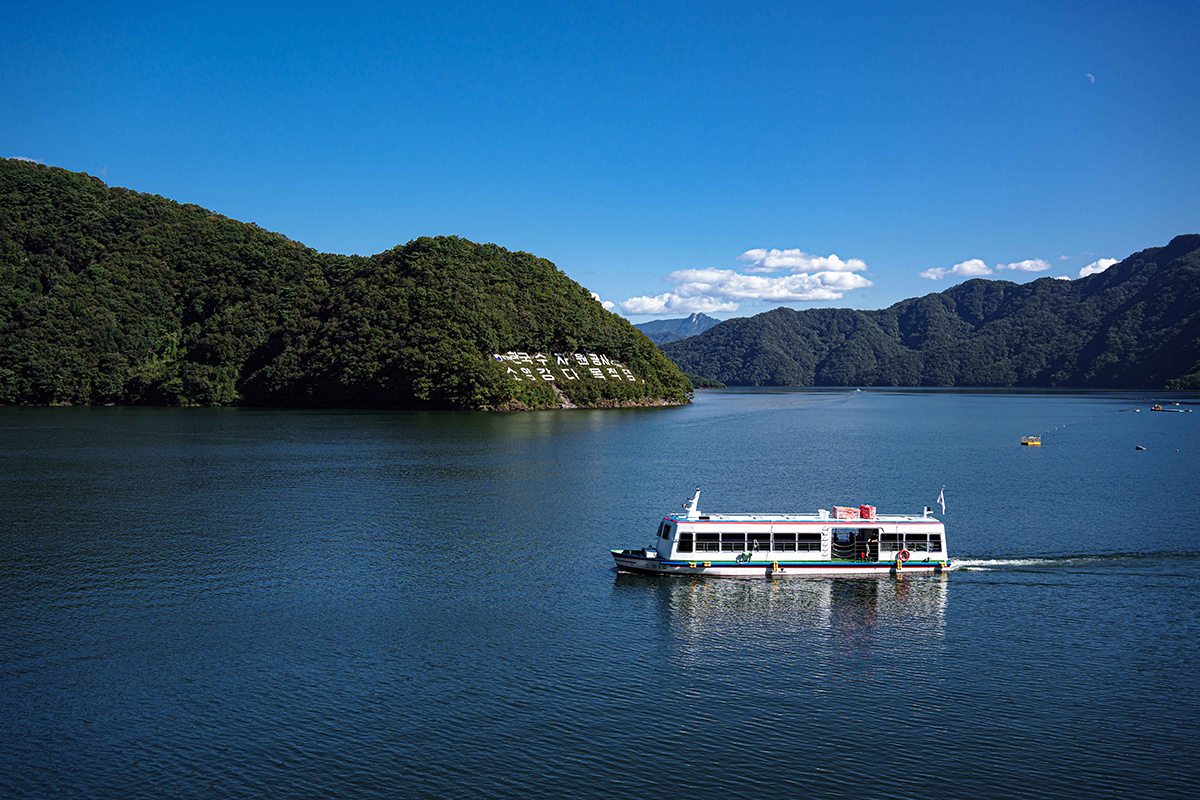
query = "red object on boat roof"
x=866 y=512
x=845 y=512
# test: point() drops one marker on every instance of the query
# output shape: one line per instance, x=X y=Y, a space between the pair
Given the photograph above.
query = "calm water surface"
x=230 y=603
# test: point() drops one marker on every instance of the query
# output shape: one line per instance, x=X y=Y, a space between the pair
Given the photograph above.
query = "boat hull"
x=635 y=561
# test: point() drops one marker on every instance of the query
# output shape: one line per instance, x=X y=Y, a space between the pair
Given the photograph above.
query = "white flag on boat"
x=942 y=499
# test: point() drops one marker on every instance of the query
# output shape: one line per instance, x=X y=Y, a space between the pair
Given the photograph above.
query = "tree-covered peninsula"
x=113 y=296
x=1134 y=326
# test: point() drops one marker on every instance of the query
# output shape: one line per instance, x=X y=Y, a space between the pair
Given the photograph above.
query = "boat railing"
x=853 y=551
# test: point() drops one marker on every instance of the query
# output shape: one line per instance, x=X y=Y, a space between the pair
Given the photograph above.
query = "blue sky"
x=671 y=157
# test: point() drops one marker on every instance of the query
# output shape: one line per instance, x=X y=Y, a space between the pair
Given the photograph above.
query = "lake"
x=307 y=604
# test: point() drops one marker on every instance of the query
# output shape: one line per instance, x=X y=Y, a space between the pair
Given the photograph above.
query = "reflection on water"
x=702 y=606
x=704 y=618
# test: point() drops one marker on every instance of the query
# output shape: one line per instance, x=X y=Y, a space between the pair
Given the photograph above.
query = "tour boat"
x=844 y=541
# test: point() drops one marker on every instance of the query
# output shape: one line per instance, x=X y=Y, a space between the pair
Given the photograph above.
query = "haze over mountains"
x=111 y=296
x=1134 y=326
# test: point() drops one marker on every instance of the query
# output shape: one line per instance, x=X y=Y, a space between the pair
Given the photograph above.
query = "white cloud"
x=1097 y=266
x=976 y=267
x=674 y=303
x=1031 y=265
x=609 y=305
x=967 y=269
x=1062 y=277
x=797 y=261
x=732 y=285
x=1064 y=258
x=31 y=160
x=722 y=290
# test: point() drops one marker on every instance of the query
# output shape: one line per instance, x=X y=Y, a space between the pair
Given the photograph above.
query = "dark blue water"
x=226 y=603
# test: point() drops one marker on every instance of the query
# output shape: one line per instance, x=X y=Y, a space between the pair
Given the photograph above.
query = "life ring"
x=902 y=555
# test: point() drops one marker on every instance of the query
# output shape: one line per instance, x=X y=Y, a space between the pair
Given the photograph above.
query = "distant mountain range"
x=1134 y=326
x=661 y=331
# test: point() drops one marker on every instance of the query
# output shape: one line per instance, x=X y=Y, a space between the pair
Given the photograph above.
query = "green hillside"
x=112 y=296
x=1134 y=326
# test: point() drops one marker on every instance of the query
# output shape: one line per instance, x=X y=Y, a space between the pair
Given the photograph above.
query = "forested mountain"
x=111 y=296
x=1134 y=326
x=661 y=331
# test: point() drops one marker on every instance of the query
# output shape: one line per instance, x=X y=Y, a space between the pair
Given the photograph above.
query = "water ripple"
x=206 y=603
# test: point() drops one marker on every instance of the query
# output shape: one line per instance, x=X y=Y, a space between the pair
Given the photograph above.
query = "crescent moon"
x=1091 y=78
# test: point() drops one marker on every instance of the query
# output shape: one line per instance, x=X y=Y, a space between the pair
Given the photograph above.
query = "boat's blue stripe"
x=931 y=567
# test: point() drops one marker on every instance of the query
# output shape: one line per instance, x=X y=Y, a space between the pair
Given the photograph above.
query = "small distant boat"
x=1169 y=410
x=1139 y=447
x=1032 y=441
x=848 y=541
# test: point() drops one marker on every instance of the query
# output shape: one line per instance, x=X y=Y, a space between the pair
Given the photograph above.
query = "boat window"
x=666 y=531
x=808 y=541
x=758 y=541
x=661 y=527
x=891 y=541
x=733 y=541
x=935 y=542
x=916 y=542
x=785 y=541
x=708 y=541
x=685 y=543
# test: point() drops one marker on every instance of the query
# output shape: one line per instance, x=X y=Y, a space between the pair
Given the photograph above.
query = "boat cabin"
x=795 y=538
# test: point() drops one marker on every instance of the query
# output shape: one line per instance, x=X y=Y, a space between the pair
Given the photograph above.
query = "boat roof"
x=828 y=519
x=823 y=516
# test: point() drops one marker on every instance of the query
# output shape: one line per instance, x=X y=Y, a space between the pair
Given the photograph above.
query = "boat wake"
x=1059 y=562
x=980 y=564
